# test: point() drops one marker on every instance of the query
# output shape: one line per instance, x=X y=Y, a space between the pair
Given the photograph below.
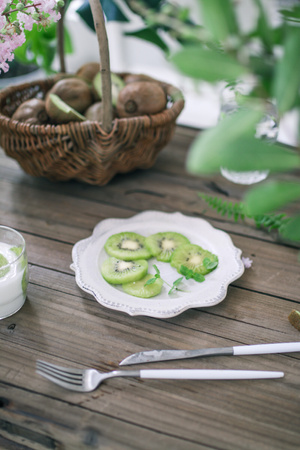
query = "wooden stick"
x=99 y=22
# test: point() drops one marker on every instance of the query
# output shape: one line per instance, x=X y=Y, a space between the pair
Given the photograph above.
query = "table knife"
x=168 y=355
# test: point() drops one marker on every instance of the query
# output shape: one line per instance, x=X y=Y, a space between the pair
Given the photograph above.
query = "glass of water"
x=266 y=129
x=13 y=271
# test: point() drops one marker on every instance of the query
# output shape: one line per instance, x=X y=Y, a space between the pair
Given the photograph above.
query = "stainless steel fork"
x=87 y=380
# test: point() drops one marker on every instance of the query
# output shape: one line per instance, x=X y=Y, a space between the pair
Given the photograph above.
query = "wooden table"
x=62 y=324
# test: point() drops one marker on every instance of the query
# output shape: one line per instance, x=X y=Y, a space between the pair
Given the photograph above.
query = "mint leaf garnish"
x=210 y=265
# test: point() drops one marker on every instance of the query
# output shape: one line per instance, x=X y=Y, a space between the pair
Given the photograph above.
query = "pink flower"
x=12 y=34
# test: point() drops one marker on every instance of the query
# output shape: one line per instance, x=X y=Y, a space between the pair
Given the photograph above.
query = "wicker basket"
x=87 y=151
x=82 y=150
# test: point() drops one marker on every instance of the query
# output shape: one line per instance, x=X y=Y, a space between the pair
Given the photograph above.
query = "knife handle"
x=202 y=374
x=260 y=349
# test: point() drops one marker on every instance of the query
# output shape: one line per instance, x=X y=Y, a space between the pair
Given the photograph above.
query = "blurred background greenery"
x=216 y=47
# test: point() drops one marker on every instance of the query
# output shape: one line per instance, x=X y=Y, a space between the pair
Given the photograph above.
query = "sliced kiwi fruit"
x=141 y=97
x=194 y=258
x=117 y=84
x=32 y=111
x=118 y=271
x=3 y=263
x=143 y=290
x=73 y=91
x=61 y=112
x=128 y=246
x=162 y=245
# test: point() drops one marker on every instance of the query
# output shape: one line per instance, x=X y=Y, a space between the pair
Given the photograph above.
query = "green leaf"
x=263 y=28
x=286 y=82
x=209 y=65
x=149 y=35
x=219 y=18
x=271 y=195
x=198 y=277
x=206 y=154
x=291 y=230
x=110 y=8
x=150 y=281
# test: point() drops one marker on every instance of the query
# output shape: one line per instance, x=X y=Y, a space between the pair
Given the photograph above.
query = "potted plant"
x=90 y=151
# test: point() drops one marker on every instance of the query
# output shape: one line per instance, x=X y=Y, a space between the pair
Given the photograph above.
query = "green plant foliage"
x=209 y=65
x=239 y=211
x=271 y=195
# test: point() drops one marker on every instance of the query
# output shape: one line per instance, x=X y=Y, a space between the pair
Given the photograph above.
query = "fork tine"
x=66 y=385
x=71 y=379
x=66 y=370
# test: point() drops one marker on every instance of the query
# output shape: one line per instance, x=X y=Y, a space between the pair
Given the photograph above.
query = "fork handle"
x=202 y=374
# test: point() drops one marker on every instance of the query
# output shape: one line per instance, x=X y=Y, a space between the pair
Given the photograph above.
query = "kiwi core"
x=195 y=260
x=167 y=244
x=128 y=244
x=121 y=266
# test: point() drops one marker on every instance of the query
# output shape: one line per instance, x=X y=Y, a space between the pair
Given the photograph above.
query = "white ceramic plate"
x=88 y=255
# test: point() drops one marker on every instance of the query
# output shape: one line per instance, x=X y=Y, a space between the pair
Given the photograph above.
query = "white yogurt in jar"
x=13 y=280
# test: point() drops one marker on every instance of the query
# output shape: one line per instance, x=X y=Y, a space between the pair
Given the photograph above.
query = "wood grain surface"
x=62 y=324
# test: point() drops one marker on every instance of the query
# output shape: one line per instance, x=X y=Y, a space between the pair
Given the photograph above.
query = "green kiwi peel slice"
x=61 y=112
x=127 y=246
x=117 y=271
x=3 y=263
x=117 y=83
x=194 y=258
x=143 y=290
x=162 y=245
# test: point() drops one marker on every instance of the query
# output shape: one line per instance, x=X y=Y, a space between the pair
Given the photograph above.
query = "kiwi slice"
x=140 y=289
x=118 y=271
x=127 y=246
x=3 y=262
x=117 y=83
x=194 y=258
x=61 y=112
x=162 y=245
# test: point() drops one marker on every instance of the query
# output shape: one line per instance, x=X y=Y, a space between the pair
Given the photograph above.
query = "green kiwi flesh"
x=61 y=112
x=192 y=256
x=117 y=83
x=127 y=246
x=138 y=288
x=117 y=271
x=162 y=245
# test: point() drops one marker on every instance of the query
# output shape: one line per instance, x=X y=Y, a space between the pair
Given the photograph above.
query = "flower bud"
x=19 y=6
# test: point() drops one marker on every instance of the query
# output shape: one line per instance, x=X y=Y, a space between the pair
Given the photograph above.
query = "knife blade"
x=168 y=355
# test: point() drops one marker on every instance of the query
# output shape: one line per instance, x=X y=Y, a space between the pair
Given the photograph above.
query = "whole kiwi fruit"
x=88 y=71
x=73 y=91
x=31 y=111
x=132 y=77
x=94 y=112
x=139 y=98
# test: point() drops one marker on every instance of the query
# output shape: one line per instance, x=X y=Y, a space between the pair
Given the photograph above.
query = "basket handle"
x=99 y=23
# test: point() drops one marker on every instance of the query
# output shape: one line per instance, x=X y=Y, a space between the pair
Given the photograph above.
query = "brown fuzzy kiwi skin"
x=88 y=71
x=133 y=77
x=294 y=319
x=73 y=91
x=140 y=98
x=94 y=112
x=32 y=111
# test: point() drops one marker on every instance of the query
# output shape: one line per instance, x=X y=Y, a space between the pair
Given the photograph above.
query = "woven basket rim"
x=166 y=116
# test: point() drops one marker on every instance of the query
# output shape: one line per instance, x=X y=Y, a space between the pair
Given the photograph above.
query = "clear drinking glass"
x=13 y=271
x=267 y=129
